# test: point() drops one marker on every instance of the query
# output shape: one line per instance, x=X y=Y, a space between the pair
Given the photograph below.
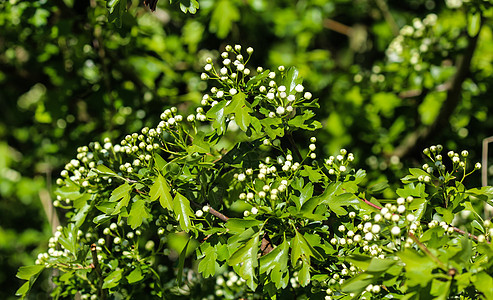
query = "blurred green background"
x=392 y=77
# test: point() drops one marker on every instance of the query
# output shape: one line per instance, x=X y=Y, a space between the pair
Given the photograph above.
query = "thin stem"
x=466 y=233
x=101 y=292
x=293 y=144
x=370 y=204
x=428 y=252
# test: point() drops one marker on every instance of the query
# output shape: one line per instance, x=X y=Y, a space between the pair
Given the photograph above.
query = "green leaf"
x=336 y=203
x=80 y=217
x=276 y=263
x=299 y=247
x=69 y=238
x=291 y=79
x=112 y=279
x=246 y=258
x=378 y=265
x=224 y=15
x=312 y=173
x=160 y=190
x=257 y=79
x=275 y=258
x=241 y=109
x=101 y=219
x=330 y=191
x=208 y=264
x=483 y=282
x=181 y=264
x=135 y=275
x=122 y=192
x=159 y=163
x=29 y=273
x=181 y=207
x=26 y=272
x=473 y=23
x=306 y=194
x=378 y=188
x=236 y=225
x=218 y=116
x=104 y=170
x=70 y=190
x=138 y=214
x=304 y=273
x=200 y=144
x=273 y=127
x=357 y=284
x=116 y=9
x=189 y=5
x=304 y=121
x=418 y=267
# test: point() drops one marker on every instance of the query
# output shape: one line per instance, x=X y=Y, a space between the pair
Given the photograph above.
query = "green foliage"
x=385 y=89
x=306 y=224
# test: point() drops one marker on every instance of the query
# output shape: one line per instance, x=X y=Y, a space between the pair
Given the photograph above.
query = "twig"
x=370 y=204
x=484 y=161
x=265 y=246
x=95 y=260
x=293 y=144
x=382 y=5
x=217 y=214
x=338 y=27
x=428 y=252
x=488 y=210
x=466 y=233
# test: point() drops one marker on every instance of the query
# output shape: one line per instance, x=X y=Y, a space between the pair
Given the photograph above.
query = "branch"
x=419 y=137
x=338 y=27
x=382 y=5
x=217 y=214
x=295 y=148
x=265 y=246
x=101 y=291
x=466 y=233
x=428 y=252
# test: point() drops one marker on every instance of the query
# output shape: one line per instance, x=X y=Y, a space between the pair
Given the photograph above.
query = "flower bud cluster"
x=437 y=169
x=232 y=76
x=340 y=164
x=267 y=183
x=413 y=42
x=232 y=72
x=228 y=283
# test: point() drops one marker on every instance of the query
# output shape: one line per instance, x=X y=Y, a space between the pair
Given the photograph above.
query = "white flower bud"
x=280 y=110
x=241 y=177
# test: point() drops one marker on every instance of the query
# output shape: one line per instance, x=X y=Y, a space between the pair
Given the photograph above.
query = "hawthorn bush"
x=223 y=203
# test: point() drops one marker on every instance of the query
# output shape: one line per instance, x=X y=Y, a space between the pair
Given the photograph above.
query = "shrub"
x=227 y=193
